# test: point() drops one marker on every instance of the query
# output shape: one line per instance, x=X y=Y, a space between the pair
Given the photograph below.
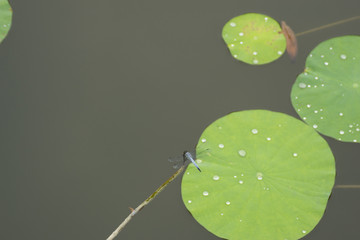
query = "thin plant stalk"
x=328 y=25
x=144 y=203
x=347 y=186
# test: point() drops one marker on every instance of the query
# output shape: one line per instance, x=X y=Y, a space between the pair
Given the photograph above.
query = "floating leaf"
x=291 y=42
x=5 y=18
x=265 y=175
x=254 y=38
x=327 y=94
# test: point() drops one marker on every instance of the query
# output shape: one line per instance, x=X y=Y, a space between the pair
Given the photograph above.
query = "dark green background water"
x=96 y=95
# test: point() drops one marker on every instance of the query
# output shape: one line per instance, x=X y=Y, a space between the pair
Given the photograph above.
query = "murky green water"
x=96 y=95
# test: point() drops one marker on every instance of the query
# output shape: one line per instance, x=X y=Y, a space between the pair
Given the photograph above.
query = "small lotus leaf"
x=5 y=18
x=254 y=38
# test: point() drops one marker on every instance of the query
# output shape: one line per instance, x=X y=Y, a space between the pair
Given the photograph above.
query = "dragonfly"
x=186 y=157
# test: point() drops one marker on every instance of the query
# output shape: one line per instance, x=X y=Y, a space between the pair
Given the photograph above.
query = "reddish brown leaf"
x=291 y=43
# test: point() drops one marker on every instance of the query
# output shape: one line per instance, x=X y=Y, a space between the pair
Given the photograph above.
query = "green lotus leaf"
x=5 y=18
x=254 y=38
x=265 y=175
x=327 y=94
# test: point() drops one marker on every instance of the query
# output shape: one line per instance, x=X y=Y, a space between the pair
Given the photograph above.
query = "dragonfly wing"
x=176 y=161
x=177 y=165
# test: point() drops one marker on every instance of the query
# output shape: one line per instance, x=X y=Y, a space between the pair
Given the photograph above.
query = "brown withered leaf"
x=291 y=42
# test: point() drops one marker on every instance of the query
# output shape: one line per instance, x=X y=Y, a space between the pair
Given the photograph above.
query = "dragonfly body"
x=187 y=156
x=181 y=160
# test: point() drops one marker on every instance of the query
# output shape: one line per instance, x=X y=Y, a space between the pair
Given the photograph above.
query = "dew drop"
x=302 y=85
x=326 y=63
x=255 y=53
x=304 y=118
x=315 y=126
x=254 y=131
x=308 y=106
x=235 y=176
x=269 y=139
x=279 y=52
x=189 y=201
x=242 y=153
x=358 y=129
x=343 y=56
x=216 y=177
x=316 y=78
x=241 y=42
x=259 y=176
x=232 y=45
x=341 y=132
x=241 y=34
x=241 y=182
x=205 y=193
x=232 y=24
x=295 y=154
x=198 y=160
x=341 y=114
x=303 y=231
x=203 y=140
x=316 y=111
x=221 y=145
x=221 y=214
x=322 y=56
x=255 y=61
x=227 y=203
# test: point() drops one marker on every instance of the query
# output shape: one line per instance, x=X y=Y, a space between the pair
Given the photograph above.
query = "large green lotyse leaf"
x=327 y=94
x=5 y=18
x=254 y=38
x=265 y=175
